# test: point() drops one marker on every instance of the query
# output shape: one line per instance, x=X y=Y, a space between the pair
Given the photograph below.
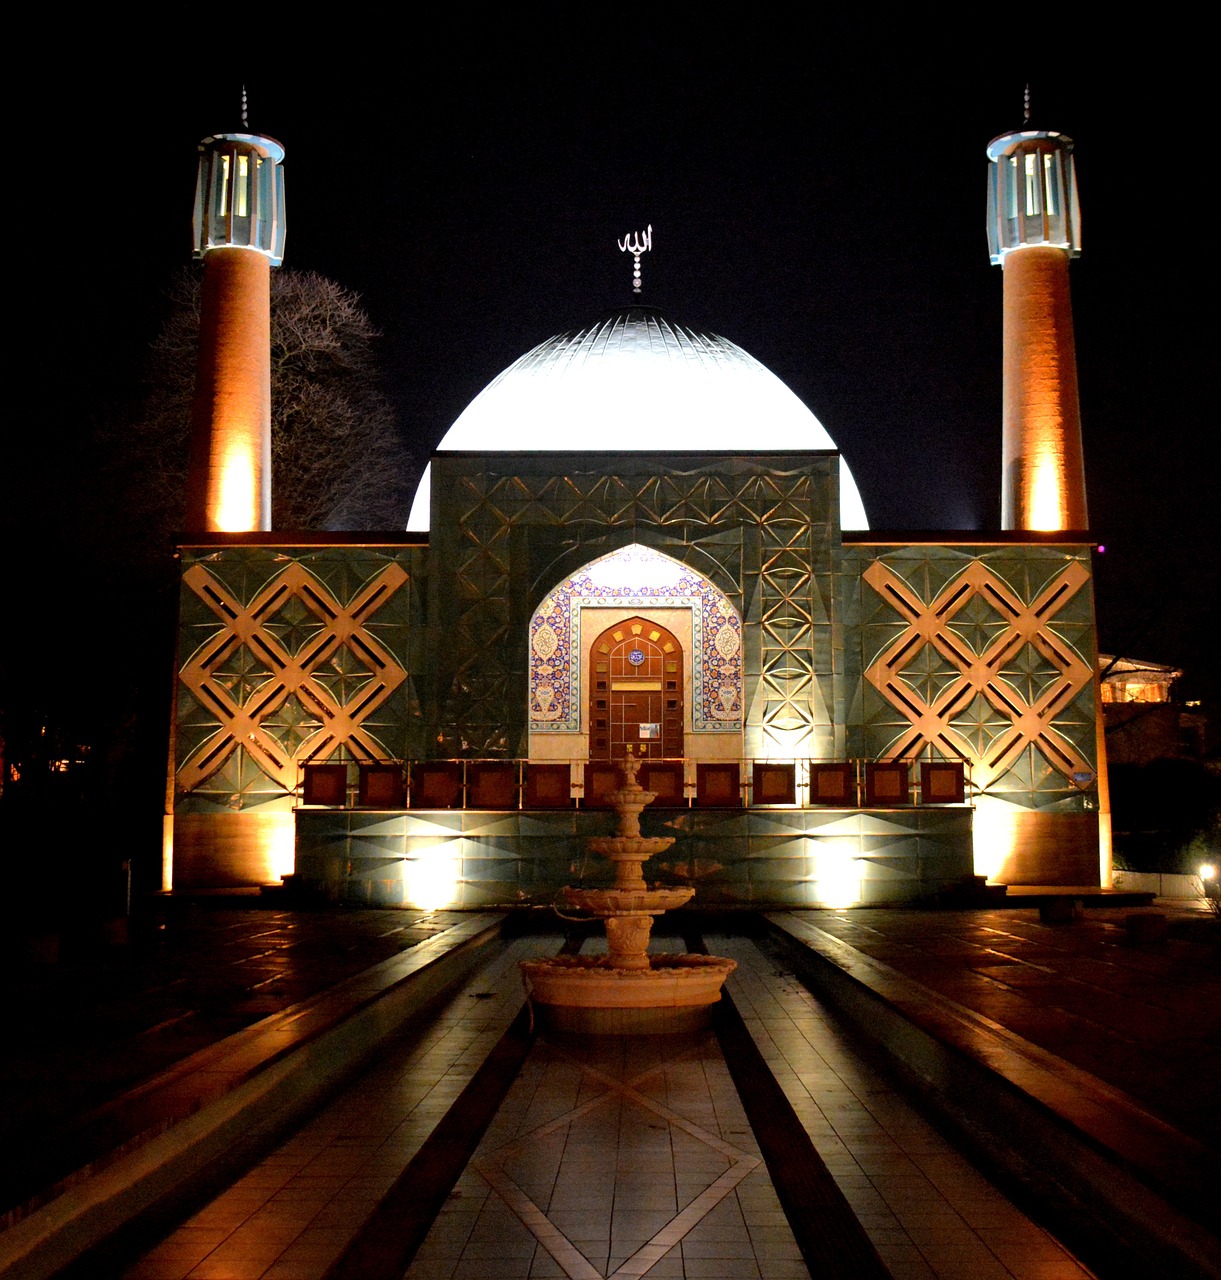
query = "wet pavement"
x=1144 y=1018
x=106 y=1015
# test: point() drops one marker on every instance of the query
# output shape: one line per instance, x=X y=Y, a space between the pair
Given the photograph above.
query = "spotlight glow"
x=994 y=837
x=433 y=880
x=237 y=510
x=837 y=873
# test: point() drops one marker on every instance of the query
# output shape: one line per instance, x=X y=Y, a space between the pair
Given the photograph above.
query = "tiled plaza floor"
x=103 y=1018
x=927 y=1211
x=617 y=1157
x=691 y=1207
x=633 y=1157
x=292 y=1215
x=1146 y=1019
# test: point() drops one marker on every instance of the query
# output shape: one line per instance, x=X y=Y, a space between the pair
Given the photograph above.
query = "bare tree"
x=337 y=460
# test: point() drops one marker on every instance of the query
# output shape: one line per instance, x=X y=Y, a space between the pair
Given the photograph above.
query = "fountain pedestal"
x=627 y=991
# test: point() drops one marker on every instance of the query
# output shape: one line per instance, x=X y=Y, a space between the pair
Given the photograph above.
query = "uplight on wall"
x=433 y=880
x=837 y=873
x=1046 y=499
x=786 y=742
x=282 y=847
x=238 y=507
x=994 y=836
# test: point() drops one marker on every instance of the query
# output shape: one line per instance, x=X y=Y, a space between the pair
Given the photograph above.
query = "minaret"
x=1034 y=228
x=239 y=234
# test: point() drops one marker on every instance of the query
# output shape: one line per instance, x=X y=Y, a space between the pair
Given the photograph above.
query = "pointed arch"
x=635 y=577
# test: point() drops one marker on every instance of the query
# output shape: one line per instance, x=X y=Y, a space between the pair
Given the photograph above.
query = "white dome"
x=636 y=382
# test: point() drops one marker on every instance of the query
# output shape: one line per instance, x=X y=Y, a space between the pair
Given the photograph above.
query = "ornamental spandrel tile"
x=787 y=631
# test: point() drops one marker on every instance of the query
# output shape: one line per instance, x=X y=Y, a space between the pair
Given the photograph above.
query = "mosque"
x=672 y=559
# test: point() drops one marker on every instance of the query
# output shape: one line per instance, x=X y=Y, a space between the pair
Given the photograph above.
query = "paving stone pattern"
x=1146 y=1019
x=104 y=1018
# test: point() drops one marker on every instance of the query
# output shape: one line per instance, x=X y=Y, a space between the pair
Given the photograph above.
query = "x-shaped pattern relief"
x=574 y=1264
x=290 y=675
x=931 y=723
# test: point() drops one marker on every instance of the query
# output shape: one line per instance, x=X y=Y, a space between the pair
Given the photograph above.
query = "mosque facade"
x=829 y=715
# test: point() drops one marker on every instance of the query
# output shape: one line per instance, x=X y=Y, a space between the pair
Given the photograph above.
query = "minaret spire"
x=1034 y=229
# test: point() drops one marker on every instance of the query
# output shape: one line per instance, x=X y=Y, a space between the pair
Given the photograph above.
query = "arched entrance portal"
x=635 y=586
x=636 y=691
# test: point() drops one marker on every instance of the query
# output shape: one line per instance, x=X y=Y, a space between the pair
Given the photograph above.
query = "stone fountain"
x=627 y=990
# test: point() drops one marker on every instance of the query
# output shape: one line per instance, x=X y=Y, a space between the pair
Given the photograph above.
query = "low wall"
x=1164 y=885
x=733 y=857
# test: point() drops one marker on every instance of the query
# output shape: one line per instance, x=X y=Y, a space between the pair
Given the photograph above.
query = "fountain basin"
x=629 y=848
x=586 y=994
x=626 y=902
x=627 y=991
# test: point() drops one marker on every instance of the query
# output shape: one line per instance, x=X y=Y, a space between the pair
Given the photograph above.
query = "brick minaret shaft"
x=229 y=482
x=1033 y=231
x=239 y=234
x=1044 y=469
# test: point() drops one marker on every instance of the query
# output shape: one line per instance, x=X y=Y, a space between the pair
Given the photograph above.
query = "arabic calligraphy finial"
x=636 y=245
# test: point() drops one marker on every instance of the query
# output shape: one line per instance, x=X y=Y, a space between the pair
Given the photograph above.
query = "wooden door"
x=636 y=692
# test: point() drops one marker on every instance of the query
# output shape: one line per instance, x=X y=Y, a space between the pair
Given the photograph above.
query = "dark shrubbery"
x=1166 y=815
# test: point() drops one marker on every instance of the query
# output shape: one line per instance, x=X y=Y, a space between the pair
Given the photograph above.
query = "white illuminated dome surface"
x=636 y=382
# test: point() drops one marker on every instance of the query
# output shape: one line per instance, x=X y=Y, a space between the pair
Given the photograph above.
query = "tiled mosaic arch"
x=635 y=577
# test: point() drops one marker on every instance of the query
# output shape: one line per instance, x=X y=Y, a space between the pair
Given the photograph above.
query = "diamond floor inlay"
x=619 y=1158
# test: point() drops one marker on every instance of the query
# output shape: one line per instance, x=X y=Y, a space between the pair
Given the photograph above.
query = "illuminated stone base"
x=585 y=994
x=1032 y=846
x=231 y=850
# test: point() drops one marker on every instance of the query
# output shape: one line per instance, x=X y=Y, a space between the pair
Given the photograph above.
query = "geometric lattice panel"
x=978 y=669
x=290 y=664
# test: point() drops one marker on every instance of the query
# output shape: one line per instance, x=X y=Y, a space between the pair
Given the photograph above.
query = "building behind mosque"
x=672 y=558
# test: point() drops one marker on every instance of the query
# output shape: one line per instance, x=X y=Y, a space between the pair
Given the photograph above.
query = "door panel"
x=636 y=692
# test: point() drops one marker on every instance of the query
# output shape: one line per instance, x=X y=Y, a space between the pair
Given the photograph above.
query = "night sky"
x=816 y=197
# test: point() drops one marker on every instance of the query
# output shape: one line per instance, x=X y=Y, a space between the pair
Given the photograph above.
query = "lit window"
x=1013 y=188
x=1033 y=203
x=1049 y=183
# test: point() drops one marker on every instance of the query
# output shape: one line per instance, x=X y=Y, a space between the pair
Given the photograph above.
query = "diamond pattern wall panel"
x=291 y=655
x=981 y=653
x=774 y=858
